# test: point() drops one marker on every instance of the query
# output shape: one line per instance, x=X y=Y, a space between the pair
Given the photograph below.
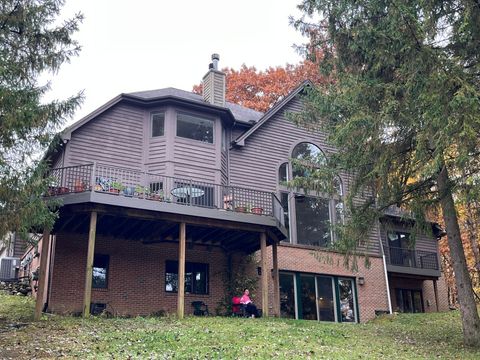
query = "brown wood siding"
x=156 y=155
x=194 y=159
x=114 y=138
x=256 y=164
x=423 y=242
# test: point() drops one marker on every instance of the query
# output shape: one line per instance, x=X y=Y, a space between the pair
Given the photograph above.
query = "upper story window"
x=158 y=124
x=306 y=156
x=398 y=239
x=195 y=127
x=283 y=174
x=313 y=215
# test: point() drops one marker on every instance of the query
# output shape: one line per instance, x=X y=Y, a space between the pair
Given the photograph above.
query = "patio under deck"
x=233 y=218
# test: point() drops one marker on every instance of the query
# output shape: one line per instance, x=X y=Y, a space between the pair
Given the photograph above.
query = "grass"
x=407 y=336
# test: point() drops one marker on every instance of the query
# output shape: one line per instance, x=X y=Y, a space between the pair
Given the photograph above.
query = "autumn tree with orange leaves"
x=260 y=90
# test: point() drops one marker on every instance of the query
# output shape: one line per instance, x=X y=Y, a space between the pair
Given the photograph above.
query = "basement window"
x=196 y=277
x=195 y=127
x=100 y=271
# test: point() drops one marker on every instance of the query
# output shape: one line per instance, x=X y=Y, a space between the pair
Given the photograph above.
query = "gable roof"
x=233 y=111
x=240 y=141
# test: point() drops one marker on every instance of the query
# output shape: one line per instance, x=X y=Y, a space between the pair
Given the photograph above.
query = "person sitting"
x=250 y=307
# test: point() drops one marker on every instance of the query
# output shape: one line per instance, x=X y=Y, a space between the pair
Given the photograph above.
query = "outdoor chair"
x=238 y=309
x=200 y=308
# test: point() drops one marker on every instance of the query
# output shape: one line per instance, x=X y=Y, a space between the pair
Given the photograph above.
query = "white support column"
x=276 y=281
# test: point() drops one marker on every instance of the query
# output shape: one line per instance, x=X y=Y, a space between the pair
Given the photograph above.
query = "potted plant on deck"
x=256 y=210
x=116 y=187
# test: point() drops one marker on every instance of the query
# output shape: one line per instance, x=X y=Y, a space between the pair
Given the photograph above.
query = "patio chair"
x=200 y=308
x=238 y=309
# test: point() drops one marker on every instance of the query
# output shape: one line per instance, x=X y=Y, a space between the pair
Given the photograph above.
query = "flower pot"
x=114 y=191
x=241 y=209
x=257 y=210
x=63 y=190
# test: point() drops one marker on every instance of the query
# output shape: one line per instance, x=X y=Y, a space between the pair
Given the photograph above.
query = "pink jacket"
x=245 y=299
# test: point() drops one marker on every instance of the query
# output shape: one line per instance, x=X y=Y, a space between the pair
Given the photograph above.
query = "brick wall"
x=136 y=278
x=371 y=296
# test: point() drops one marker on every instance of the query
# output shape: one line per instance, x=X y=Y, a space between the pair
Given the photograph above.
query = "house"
x=168 y=196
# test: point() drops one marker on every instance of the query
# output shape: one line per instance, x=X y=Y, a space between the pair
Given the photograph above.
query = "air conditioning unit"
x=9 y=268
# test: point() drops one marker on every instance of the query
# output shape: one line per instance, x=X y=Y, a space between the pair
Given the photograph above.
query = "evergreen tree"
x=404 y=111
x=32 y=43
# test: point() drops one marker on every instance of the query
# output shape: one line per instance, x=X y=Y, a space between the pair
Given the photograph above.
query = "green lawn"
x=402 y=337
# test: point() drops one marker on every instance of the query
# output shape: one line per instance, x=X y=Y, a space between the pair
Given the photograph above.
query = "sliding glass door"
x=318 y=297
x=326 y=298
x=287 y=296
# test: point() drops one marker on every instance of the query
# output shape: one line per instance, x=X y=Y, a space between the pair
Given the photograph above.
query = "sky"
x=151 y=44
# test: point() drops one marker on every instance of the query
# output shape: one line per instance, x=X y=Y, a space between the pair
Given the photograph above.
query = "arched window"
x=305 y=156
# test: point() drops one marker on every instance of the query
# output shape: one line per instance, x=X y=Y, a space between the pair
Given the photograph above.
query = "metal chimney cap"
x=215 y=57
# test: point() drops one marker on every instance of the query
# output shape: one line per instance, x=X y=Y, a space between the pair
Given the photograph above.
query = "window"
x=158 y=124
x=399 y=249
x=347 y=300
x=286 y=213
x=196 y=277
x=100 y=272
x=306 y=155
x=283 y=174
x=194 y=127
x=224 y=139
x=312 y=215
x=318 y=297
x=409 y=301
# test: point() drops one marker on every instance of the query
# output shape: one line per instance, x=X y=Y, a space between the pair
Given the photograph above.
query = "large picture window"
x=195 y=127
x=196 y=277
x=100 y=271
x=313 y=221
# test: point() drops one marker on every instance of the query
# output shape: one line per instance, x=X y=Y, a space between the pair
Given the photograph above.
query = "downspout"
x=385 y=271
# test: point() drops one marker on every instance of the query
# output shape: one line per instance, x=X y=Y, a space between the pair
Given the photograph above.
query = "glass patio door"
x=308 y=296
x=346 y=294
x=325 y=298
x=287 y=296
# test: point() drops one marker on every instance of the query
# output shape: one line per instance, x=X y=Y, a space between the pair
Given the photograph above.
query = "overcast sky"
x=150 y=44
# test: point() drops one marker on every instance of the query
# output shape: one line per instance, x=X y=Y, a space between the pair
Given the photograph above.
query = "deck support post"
x=42 y=277
x=87 y=295
x=263 y=254
x=276 y=281
x=181 y=271
x=435 y=292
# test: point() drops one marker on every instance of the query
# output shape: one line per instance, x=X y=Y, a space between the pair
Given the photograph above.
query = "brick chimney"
x=214 y=83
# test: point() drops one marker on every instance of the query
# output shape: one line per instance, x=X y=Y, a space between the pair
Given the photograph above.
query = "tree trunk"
x=468 y=308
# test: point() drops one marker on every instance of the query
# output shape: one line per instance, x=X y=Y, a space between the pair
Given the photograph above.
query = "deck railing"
x=120 y=181
x=413 y=258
